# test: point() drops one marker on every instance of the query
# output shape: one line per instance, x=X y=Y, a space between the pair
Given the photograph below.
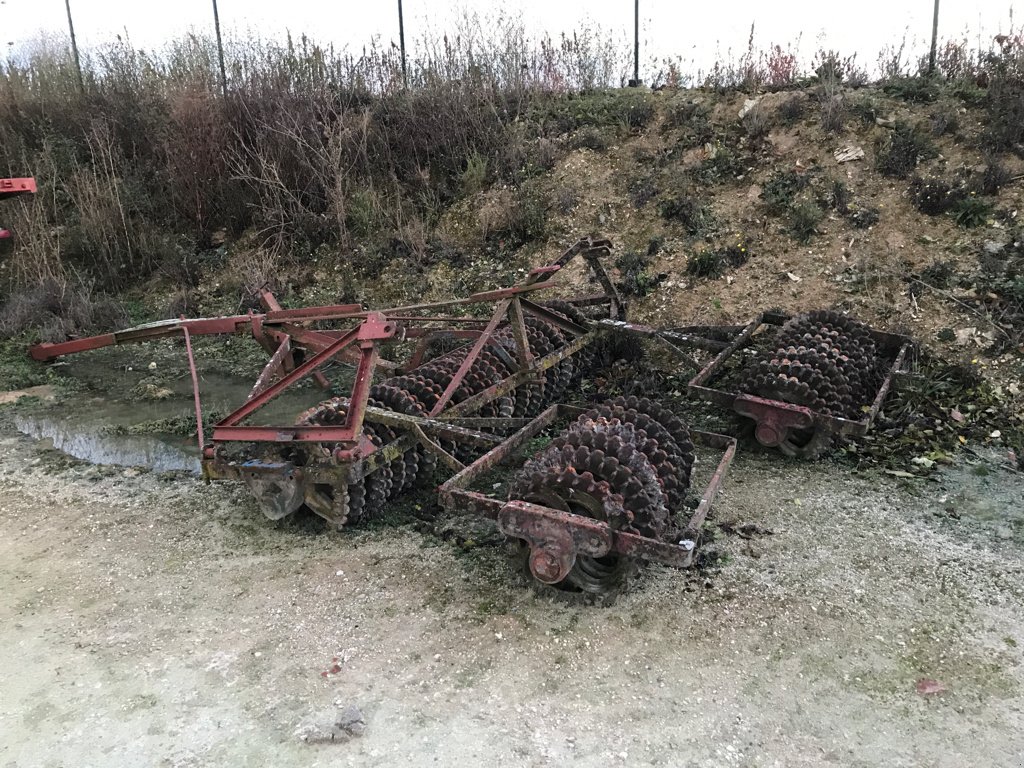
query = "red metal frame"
x=14 y=187
x=297 y=351
x=775 y=419
x=557 y=537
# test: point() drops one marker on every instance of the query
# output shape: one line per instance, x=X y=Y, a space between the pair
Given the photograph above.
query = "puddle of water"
x=82 y=428
x=981 y=490
x=162 y=453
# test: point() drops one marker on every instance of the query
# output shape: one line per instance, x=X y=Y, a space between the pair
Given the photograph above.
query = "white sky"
x=693 y=31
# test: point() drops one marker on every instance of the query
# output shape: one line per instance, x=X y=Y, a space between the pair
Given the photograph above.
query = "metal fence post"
x=635 y=82
x=74 y=47
x=935 y=39
x=220 y=51
x=401 y=42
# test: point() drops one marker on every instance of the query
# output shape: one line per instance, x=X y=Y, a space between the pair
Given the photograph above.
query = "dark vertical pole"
x=401 y=42
x=636 y=44
x=74 y=47
x=220 y=51
x=935 y=39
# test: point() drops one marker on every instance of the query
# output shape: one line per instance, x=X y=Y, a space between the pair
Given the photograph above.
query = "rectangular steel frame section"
x=898 y=349
x=584 y=533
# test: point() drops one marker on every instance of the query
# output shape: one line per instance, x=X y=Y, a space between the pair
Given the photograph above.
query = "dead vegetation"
x=325 y=177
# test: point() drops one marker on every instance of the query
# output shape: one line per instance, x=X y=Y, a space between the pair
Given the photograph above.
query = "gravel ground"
x=155 y=621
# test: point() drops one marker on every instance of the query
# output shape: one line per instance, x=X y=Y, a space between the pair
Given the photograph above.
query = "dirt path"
x=153 y=621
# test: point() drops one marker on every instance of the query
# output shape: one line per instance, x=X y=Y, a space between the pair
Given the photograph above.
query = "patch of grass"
x=714 y=263
x=832 y=107
x=723 y=164
x=589 y=137
x=630 y=109
x=17 y=369
x=757 y=122
x=637 y=280
x=642 y=191
x=994 y=177
x=780 y=190
x=939 y=273
x=943 y=122
x=804 y=218
x=863 y=217
x=1004 y=106
x=685 y=209
x=475 y=175
x=865 y=109
x=901 y=151
x=793 y=109
x=916 y=90
x=971 y=211
x=519 y=219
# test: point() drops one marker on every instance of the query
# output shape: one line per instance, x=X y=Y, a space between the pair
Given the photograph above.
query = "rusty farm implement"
x=476 y=381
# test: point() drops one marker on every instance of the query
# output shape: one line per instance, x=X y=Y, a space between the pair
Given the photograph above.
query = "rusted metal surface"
x=195 y=390
x=557 y=537
x=775 y=419
x=474 y=352
x=691 y=339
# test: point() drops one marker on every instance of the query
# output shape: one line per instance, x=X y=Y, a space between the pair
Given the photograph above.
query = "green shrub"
x=695 y=217
x=804 y=218
x=475 y=175
x=971 y=211
x=715 y=262
x=637 y=279
x=901 y=151
x=916 y=90
x=778 y=192
x=793 y=109
x=935 y=196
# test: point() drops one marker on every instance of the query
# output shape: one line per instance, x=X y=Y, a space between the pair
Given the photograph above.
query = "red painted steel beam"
x=311 y=314
x=14 y=187
x=499 y=314
x=164 y=329
x=372 y=329
x=285 y=434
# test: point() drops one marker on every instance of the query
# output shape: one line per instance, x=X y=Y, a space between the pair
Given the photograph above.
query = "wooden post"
x=935 y=39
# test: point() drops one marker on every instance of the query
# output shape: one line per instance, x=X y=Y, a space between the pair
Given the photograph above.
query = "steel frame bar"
x=15 y=187
x=195 y=390
x=499 y=314
x=473 y=403
x=453 y=494
x=774 y=413
x=271 y=369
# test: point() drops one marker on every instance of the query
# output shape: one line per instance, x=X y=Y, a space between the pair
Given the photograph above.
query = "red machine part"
x=13 y=188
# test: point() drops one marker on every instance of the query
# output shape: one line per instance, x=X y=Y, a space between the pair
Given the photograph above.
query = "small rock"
x=748 y=105
x=152 y=365
x=848 y=153
x=1004 y=532
x=334 y=725
x=928 y=687
x=993 y=248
